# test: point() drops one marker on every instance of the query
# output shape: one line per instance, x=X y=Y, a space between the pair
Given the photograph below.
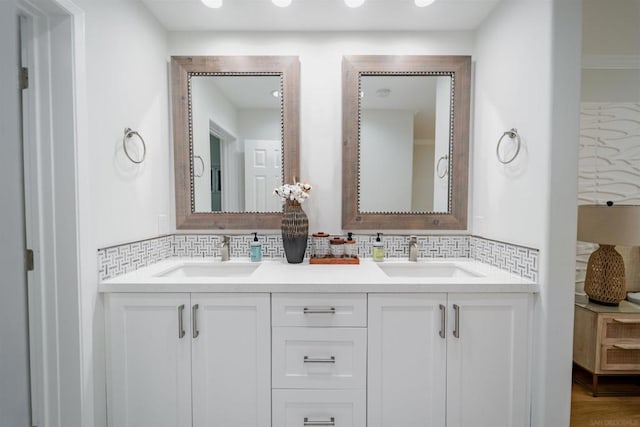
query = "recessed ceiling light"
x=281 y=3
x=275 y=93
x=354 y=3
x=361 y=94
x=383 y=93
x=423 y=3
x=213 y=4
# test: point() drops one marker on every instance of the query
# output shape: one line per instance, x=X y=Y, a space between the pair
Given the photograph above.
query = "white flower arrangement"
x=298 y=192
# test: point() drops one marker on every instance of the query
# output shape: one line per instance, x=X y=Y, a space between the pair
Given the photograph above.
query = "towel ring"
x=513 y=134
x=128 y=134
x=446 y=170
x=194 y=167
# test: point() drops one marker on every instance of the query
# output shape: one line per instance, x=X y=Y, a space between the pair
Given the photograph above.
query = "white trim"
x=610 y=62
x=61 y=364
x=226 y=140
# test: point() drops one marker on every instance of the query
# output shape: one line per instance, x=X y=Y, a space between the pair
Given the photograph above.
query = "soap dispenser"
x=256 y=249
x=378 y=249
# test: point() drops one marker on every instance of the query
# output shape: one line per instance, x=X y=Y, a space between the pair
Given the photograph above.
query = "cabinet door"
x=488 y=360
x=407 y=356
x=148 y=360
x=231 y=354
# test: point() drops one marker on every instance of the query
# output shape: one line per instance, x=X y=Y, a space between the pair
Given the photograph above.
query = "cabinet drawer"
x=620 y=327
x=319 y=358
x=319 y=310
x=319 y=408
x=620 y=357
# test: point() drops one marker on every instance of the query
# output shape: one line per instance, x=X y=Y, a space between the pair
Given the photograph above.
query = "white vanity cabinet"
x=457 y=360
x=319 y=360
x=178 y=360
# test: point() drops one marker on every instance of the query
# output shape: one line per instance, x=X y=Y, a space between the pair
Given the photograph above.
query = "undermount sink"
x=221 y=269
x=425 y=270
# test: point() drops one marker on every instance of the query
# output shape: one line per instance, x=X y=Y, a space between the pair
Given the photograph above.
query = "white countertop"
x=279 y=276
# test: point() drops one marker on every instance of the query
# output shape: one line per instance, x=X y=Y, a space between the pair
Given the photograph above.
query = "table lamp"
x=607 y=225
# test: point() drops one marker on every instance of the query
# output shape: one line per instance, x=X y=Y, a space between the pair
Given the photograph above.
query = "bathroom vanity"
x=205 y=343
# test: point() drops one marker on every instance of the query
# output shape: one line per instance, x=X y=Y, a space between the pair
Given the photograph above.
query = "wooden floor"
x=588 y=411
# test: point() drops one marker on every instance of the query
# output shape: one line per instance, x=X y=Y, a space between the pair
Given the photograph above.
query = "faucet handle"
x=413 y=239
x=225 y=240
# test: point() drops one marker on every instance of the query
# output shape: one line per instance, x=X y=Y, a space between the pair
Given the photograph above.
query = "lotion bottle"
x=256 y=249
x=378 y=250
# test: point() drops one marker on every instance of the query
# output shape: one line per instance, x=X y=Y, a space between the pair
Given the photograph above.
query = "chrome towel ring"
x=195 y=174
x=128 y=134
x=445 y=172
x=513 y=134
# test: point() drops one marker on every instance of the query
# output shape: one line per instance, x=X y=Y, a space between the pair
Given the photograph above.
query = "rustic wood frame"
x=459 y=68
x=182 y=68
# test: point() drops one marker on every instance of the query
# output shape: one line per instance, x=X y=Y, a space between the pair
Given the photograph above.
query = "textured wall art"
x=609 y=169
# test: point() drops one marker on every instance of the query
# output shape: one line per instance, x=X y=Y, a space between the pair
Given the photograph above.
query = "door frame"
x=57 y=211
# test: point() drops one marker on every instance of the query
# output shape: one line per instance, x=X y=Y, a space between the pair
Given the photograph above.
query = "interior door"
x=14 y=346
x=216 y=174
x=263 y=173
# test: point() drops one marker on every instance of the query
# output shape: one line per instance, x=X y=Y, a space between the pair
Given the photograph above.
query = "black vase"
x=295 y=231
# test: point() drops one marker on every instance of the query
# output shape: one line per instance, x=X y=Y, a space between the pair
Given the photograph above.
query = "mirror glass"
x=404 y=143
x=405 y=153
x=236 y=139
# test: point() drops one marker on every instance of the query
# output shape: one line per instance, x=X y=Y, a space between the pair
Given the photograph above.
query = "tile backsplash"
x=116 y=260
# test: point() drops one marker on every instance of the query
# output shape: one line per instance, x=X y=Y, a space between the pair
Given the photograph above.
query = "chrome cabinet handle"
x=443 y=321
x=181 y=331
x=456 y=327
x=329 y=310
x=308 y=359
x=330 y=422
x=194 y=321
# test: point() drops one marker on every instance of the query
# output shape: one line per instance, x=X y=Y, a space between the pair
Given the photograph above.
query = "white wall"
x=527 y=77
x=209 y=104
x=442 y=133
x=512 y=81
x=422 y=180
x=386 y=156
x=126 y=86
x=127 y=76
x=321 y=87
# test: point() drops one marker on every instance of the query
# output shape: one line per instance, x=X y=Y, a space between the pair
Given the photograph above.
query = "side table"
x=606 y=341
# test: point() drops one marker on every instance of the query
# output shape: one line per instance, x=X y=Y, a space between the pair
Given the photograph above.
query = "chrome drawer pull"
x=443 y=321
x=181 y=331
x=329 y=310
x=331 y=422
x=456 y=327
x=627 y=346
x=628 y=321
x=194 y=320
x=308 y=359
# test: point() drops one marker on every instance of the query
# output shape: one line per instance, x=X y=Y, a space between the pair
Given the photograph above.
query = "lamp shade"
x=609 y=225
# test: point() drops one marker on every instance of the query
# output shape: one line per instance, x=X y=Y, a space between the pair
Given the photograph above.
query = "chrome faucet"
x=413 y=248
x=224 y=249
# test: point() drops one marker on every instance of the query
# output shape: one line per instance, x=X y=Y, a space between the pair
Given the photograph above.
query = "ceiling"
x=321 y=15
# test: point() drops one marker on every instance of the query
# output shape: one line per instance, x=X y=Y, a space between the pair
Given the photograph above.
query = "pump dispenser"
x=378 y=249
x=256 y=249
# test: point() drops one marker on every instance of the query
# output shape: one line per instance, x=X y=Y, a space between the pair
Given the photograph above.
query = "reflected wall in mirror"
x=404 y=134
x=236 y=130
x=237 y=143
x=405 y=151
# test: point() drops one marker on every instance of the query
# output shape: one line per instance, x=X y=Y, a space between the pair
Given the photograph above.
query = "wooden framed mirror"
x=236 y=138
x=405 y=154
